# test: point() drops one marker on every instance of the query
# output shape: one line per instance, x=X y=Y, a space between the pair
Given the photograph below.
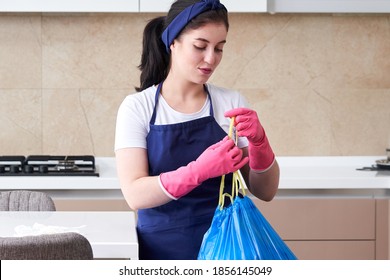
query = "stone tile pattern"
x=319 y=82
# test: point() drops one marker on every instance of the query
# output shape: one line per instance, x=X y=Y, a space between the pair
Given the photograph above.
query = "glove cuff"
x=163 y=188
x=261 y=156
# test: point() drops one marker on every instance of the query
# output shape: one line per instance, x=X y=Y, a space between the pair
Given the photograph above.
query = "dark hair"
x=155 y=61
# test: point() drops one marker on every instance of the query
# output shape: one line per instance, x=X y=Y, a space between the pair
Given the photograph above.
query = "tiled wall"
x=320 y=82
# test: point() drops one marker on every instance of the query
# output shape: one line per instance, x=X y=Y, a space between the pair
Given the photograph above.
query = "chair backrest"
x=24 y=200
x=58 y=246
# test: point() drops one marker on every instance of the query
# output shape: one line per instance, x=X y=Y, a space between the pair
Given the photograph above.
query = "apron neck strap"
x=158 y=91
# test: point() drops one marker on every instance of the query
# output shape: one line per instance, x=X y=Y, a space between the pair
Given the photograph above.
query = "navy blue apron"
x=175 y=230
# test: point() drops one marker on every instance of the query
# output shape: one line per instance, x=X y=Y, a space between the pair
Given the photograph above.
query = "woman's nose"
x=210 y=57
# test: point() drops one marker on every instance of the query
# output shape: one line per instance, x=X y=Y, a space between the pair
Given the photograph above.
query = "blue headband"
x=182 y=19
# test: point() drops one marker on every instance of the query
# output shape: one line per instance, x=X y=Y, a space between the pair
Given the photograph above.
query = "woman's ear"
x=175 y=44
x=172 y=46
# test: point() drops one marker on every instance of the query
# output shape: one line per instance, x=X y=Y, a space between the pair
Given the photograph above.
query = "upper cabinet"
x=328 y=6
x=76 y=6
x=242 y=6
x=125 y=6
x=162 y=6
x=154 y=6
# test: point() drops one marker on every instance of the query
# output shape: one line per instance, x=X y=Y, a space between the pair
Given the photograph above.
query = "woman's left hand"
x=261 y=156
x=247 y=124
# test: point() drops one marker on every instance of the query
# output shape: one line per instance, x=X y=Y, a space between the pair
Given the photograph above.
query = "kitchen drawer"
x=333 y=250
x=321 y=219
x=91 y=205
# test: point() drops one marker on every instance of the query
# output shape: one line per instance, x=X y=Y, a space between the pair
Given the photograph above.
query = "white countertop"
x=112 y=234
x=104 y=186
x=300 y=176
x=332 y=177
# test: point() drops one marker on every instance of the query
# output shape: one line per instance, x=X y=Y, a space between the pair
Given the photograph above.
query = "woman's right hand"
x=221 y=158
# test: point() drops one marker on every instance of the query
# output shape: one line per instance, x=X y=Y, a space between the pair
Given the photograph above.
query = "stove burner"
x=41 y=165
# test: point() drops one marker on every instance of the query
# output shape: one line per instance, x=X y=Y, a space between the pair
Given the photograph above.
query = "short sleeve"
x=131 y=124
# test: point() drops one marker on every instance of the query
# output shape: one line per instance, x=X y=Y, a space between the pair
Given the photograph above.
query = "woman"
x=171 y=144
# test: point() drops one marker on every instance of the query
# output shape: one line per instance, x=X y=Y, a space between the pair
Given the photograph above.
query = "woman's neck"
x=184 y=97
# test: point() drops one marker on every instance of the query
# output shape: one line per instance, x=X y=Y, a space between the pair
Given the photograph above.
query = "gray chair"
x=24 y=200
x=58 y=246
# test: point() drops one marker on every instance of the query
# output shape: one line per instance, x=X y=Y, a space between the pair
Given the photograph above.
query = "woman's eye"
x=202 y=48
x=199 y=47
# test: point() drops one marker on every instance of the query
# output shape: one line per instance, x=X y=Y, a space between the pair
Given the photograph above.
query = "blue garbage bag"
x=239 y=231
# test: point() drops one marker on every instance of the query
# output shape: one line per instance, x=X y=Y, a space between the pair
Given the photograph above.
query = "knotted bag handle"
x=238 y=182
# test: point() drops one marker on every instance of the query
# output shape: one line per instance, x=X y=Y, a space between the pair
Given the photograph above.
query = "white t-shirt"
x=136 y=110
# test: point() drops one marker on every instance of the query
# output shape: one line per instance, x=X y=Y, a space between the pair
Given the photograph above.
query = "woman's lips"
x=205 y=71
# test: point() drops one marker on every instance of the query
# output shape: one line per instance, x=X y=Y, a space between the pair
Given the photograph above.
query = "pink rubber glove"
x=261 y=156
x=221 y=158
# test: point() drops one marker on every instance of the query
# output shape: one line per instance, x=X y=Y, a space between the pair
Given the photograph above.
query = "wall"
x=320 y=82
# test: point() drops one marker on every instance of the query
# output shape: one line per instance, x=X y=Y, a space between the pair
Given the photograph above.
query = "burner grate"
x=46 y=165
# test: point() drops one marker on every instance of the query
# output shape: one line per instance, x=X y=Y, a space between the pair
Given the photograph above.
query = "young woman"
x=171 y=136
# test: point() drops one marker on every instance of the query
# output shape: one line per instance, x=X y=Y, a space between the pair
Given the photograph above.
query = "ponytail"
x=154 y=59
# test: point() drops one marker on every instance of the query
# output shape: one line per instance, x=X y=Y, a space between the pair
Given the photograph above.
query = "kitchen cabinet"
x=232 y=5
x=328 y=229
x=154 y=6
x=258 y=6
x=329 y=6
x=74 y=6
x=314 y=229
x=120 y=6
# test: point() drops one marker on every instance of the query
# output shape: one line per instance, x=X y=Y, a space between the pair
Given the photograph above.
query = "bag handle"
x=238 y=182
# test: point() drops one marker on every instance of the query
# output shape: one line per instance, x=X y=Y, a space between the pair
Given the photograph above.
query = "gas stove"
x=44 y=165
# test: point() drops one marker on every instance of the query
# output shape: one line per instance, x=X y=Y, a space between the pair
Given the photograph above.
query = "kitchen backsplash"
x=319 y=82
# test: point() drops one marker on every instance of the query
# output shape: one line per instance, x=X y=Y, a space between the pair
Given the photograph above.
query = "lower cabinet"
x=91 y=205
x=330 y=229
x=314 y=229
x=333 y=249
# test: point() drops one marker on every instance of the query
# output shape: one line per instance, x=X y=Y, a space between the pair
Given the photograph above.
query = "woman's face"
x=197 y=52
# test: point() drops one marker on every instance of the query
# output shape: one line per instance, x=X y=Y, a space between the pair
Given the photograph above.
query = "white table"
x=111 y=234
